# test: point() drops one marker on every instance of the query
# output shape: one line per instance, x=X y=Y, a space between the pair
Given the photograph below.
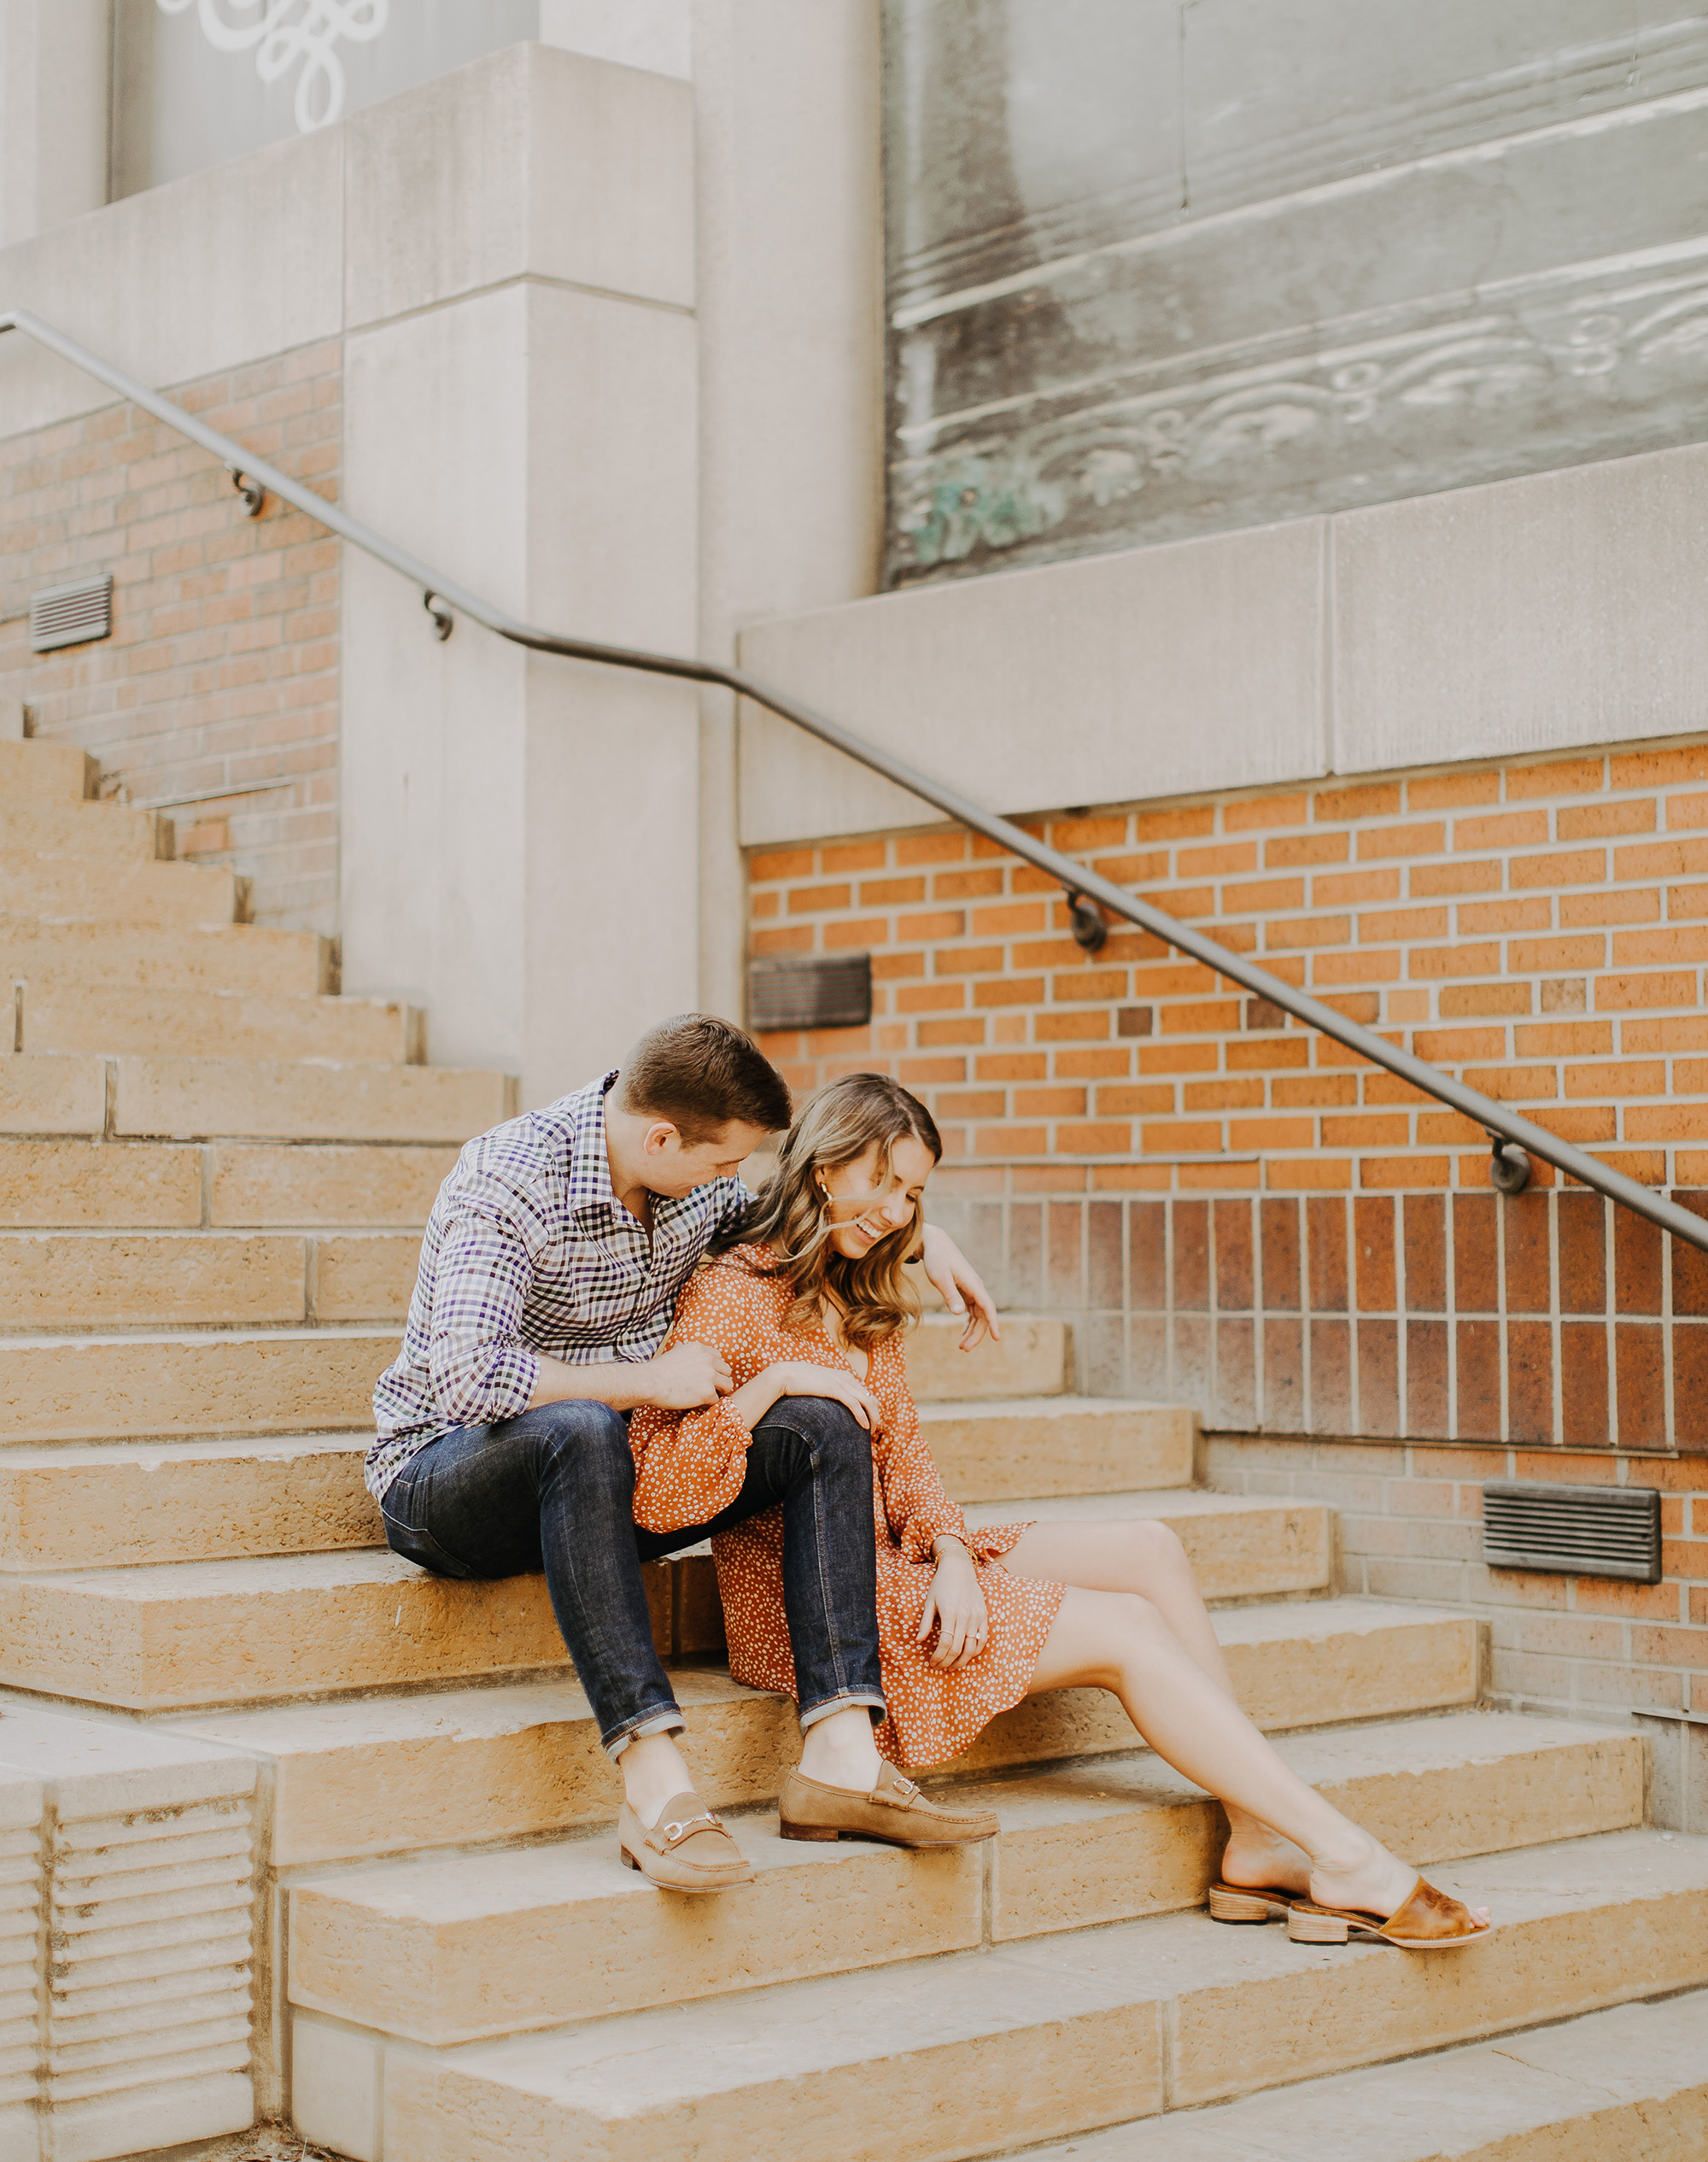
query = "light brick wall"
x=1411 y=1528
x=220 y=682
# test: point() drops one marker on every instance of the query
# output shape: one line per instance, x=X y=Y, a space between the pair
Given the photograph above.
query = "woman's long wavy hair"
x=790 y=1215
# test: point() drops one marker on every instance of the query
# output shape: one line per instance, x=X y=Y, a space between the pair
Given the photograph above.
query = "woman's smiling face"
x=867 y=1204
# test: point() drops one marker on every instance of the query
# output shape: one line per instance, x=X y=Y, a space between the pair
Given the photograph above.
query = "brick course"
x=217 y=695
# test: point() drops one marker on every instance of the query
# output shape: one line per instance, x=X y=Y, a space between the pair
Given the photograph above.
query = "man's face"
x=674 y=1168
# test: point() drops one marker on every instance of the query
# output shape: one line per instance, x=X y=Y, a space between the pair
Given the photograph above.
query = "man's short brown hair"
x=700 y=1072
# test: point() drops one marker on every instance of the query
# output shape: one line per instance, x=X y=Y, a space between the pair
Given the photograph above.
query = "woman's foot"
x=1371 y=1882
x=1257 y=1857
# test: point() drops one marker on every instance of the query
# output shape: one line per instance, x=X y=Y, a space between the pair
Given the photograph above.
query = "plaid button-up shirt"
x=528 y=1252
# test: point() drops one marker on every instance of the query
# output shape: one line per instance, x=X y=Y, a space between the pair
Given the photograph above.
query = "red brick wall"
x=220 y=682
x=1538 y=927
x=1237 y=1213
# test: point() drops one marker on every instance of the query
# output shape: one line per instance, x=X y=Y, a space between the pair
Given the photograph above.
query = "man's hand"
x=684 y=1379
x=961 y=1286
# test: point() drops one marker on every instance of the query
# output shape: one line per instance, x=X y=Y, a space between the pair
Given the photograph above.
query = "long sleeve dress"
x=691 y=1464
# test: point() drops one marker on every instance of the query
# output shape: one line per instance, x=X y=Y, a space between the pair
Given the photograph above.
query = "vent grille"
x=71 y=615
x=1581 y=1531
x=785 y=991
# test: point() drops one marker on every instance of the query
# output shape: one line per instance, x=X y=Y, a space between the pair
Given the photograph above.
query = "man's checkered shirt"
x=528 y=1252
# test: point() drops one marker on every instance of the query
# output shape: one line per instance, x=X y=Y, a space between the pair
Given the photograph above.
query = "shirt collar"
x=590 y=1188
x=591 y=1193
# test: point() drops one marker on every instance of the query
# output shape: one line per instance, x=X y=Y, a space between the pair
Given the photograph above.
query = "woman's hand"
x=790 y=1378
x=805 y=1379
x=956 y=1603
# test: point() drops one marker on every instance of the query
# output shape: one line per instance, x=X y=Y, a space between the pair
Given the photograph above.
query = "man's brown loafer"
x=687 y=1850
x=895 y=1812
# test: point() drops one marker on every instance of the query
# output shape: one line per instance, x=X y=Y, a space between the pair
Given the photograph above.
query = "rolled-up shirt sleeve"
x=482 y=1372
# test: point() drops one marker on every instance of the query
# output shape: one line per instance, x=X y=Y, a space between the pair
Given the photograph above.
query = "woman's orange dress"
x=688 y=1465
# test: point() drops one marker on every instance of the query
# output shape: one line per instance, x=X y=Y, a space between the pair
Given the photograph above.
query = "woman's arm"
x=689 y=1464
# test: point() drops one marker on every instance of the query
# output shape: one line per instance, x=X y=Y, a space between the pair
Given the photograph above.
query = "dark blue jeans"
x=555 y=1490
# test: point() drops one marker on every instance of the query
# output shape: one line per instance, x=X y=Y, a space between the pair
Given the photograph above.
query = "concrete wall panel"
x=1561 y=609
x=1151 y=673
x=225 y=267
x=528 y=162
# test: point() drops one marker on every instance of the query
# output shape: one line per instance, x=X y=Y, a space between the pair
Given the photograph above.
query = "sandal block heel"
x=808 y=1831
x=629 y=1860
x=1236 y=1906
x=1305 y=1928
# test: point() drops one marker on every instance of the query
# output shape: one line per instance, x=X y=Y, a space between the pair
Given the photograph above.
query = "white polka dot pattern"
x=689 y=1465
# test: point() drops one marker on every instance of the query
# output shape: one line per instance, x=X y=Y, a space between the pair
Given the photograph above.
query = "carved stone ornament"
x=282 y=32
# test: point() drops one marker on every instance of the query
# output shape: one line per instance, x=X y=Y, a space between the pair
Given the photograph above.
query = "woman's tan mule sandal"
x=1428 y=1921
x=1251 y=1902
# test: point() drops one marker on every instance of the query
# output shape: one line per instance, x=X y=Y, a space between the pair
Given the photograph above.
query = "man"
x=548 y=1276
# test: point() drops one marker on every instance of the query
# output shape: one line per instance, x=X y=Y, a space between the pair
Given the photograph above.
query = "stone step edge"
x=1520 y=2087
x=1066 y=1860
x=1134 y=2030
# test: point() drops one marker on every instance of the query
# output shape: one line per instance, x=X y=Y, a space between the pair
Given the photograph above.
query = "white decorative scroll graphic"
x=282 y=32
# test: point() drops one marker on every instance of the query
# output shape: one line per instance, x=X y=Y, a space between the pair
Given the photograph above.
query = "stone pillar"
x=791 y=364
x=520 y=843
x=56 y=93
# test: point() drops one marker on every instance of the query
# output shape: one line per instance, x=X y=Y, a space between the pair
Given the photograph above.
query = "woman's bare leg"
x=1119 y=1641
x=1145 y=1556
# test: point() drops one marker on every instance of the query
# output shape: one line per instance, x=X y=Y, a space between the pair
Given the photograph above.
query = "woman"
x=813 y=1301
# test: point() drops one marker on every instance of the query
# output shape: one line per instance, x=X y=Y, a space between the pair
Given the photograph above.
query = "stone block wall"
x=216 y=697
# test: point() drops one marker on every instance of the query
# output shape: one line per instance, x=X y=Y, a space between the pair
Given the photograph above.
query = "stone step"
x=109 y=832
x=124 y=1186
x=82 y=887
x=1631 y=2083
x=373 y=1184
x=1025 y=1445
x=104 y=1280
x=90 y=1184
x=148 y=957
x=506 y=1763
x=1241 y=1546
x=283 y=1100
x=46 y=1095
x=59 y=1015
x=121 y=1505
x=215 y=1383
x=984 y=2050
x=1030 y=1360
x=452 y=1948
x=35 y=771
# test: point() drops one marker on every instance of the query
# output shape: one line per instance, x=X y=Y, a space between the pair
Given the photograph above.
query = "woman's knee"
x=1156 y=1548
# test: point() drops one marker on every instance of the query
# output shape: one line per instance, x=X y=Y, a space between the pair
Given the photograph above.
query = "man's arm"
x=680 y=1380
x=960 y=1286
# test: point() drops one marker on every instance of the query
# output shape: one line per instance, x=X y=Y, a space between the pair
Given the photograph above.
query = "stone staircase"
x=213 y=1174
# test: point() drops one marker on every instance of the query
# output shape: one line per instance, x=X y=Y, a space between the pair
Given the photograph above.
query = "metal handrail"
x=1510 y=1133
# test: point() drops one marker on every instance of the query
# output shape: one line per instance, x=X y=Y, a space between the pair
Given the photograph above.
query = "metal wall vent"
x=792 y=991
x=1582 y=1531
x=71 y=615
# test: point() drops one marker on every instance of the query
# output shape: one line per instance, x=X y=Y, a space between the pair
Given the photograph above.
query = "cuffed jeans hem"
x=814 y=1713
x=668 y=1721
